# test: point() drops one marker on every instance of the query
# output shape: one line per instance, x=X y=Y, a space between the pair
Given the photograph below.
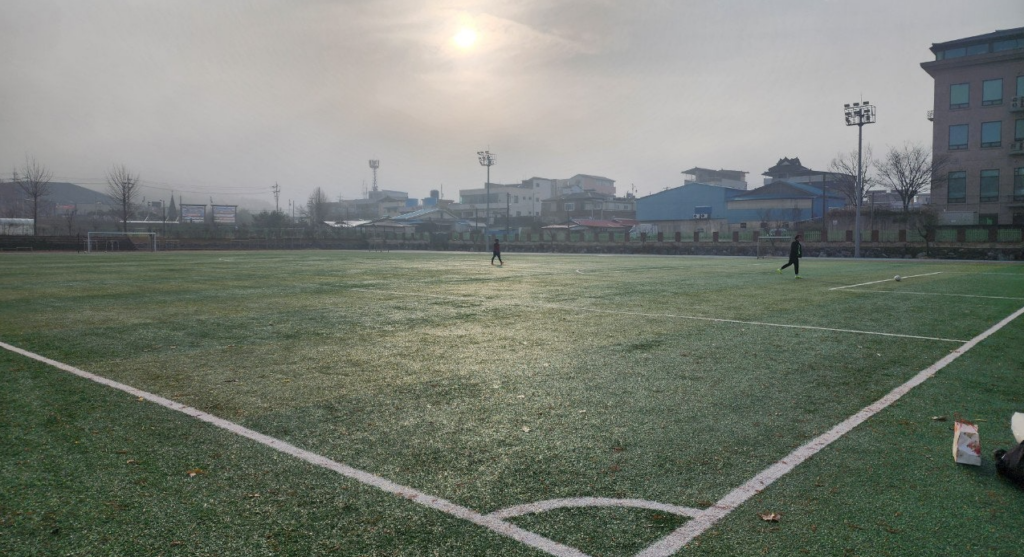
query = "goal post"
x=120 y=241
x=767 y=245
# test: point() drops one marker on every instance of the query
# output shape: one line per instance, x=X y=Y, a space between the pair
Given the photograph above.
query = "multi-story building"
x=978 y=128
x=525 y=199
x=514 y=200
x=735 y=179
x=587 y=182
x=586 y=205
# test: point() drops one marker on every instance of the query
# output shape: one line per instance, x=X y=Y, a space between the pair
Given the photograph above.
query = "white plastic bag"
x=966 y=443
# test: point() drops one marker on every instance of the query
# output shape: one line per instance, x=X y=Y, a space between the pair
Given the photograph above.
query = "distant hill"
x=61 y=193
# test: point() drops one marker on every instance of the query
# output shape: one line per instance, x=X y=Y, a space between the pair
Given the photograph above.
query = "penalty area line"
x=943 y=294
x=687 y=532
x=492 y=523
x=885 y=280
x=670 y=316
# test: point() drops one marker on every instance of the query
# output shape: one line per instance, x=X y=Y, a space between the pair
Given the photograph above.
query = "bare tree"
x=909 y=170
x=123 y=187
x=69 y=219
x=766 y=216
x=317 y=206
x=843 y=171
x=35 y=184
x=925 y=221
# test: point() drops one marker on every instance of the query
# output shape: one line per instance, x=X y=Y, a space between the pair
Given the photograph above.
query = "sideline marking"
x=687 y=532
x=670 y=315
x=886 y=280
x=552 y=504
x=938 y=294
x=492 y=523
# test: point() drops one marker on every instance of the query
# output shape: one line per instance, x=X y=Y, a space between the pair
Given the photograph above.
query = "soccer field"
x=356 y=403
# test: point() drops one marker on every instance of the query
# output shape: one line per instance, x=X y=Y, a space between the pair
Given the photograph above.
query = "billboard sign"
x=193 y=213
x=224 y=214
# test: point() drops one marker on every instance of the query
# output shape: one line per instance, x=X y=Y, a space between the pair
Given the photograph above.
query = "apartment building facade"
x=513 y=200
x=978 y=128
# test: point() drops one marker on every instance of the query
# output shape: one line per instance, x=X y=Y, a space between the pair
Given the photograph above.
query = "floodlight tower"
x=487 y=159
x=374 y=164
x=857 y=115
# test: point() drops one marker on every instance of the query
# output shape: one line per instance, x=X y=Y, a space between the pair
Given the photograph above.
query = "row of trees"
x=34 y=181
x=908 y=171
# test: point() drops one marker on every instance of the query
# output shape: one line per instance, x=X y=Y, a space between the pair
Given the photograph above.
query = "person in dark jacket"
x=796 y=251
x=497 y=253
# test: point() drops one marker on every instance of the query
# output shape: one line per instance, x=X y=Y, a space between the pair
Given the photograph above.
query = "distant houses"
x=707 y=201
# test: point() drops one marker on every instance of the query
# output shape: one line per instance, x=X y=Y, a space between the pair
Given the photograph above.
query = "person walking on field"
x=497 y=253
x=796 y=251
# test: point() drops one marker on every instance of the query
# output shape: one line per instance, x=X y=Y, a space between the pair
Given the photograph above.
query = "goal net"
x=120 y=241
x=773 y=246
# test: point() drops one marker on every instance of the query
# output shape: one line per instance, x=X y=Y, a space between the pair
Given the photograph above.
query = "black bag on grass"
x=1011 y=464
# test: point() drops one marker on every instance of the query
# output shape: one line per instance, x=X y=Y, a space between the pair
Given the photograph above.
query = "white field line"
x=1006 y=275
x=886 y=280
x=490 y=522
x=687 y=532
x=667 y=315
x=551 y=504
x=937 y=294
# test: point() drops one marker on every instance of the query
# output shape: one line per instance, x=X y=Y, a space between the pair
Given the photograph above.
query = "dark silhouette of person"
x=497 y=253
x=796 y=251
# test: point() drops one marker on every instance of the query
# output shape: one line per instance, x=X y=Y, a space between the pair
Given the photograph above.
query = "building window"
x=956 y=187
x=1008 y=44
x=516 y=199
x=991 y=92
x=991 y=134
x=1018 y=130
x=951 y=53
x=570 y=207
x=1020 y=85
x=958 y=137
x=988 y=220
x=960 y=95
x=1018 y=184
x=977 y=49
x=989 y=185
x=519 y=213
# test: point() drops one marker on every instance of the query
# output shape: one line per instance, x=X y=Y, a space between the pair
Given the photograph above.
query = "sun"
x=465 y=38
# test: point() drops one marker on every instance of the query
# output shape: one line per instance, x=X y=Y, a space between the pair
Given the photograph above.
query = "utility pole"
x=859 y=114
x=277 y=191
x=508 y=206
x=824 y=208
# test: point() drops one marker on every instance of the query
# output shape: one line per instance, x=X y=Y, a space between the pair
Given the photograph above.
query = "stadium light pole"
x=857 y=115
x=487 y=159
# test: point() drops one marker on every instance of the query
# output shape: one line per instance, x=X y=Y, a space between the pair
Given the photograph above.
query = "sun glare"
x=465 y=38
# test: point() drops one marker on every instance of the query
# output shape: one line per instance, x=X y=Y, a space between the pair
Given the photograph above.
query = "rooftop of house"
x=598 y=223
x=699 y=170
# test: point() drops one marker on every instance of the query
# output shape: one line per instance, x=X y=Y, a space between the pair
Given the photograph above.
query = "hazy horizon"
x=229 y=98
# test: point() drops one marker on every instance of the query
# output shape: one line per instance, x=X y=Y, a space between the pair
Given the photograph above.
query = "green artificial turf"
x=657 y=378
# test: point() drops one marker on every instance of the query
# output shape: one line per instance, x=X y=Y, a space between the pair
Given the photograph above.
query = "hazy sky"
x=227 y=97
